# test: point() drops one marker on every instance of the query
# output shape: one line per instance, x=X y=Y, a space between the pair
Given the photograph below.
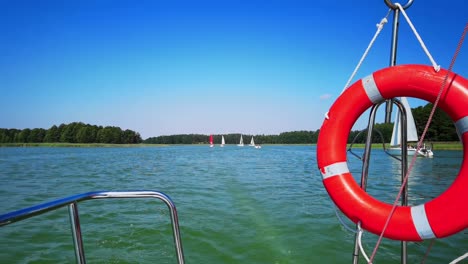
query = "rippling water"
x=235 y=205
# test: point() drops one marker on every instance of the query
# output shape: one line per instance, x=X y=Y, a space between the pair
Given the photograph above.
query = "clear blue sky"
x=172 y=67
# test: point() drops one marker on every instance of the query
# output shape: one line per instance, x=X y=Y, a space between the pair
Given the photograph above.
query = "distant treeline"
x=441 y=129
x=75 y=132
x=296 y=137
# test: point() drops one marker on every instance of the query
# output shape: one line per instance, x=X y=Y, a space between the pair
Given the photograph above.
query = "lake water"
x=235 y=205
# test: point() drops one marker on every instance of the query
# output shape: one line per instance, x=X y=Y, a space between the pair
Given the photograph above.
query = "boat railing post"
x=176 y=233
x=404 y=166
x=365 y=170
x=170 y=205
x=72 y=202
x=365 y=167
x=76 y=233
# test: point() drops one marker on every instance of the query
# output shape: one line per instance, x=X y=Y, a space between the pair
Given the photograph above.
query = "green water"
x=235 y=205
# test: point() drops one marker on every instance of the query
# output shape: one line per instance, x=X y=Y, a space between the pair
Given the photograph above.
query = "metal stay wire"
x=413 y=160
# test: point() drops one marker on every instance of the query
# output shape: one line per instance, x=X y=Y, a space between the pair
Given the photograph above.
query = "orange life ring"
x=442 y=216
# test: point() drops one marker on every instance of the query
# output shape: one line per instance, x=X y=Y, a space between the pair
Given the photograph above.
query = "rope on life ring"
x=442 y=216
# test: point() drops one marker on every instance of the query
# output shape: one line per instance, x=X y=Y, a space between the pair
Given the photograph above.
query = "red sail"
x=211 y=139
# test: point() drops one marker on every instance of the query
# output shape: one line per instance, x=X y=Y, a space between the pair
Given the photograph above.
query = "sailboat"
x=211 y=141
x=412 y=134
x=241 y=143
x=252 y=143
x=222 y=142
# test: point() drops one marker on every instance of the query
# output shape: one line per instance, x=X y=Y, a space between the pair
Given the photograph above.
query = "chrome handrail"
x=72 y=201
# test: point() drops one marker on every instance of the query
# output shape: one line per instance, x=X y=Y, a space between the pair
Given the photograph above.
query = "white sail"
x=241 y=143
x=222 y=141
x=252 y=142
x=412 y=133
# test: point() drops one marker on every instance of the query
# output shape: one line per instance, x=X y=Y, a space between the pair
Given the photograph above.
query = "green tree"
x=8 y=135
x=23 y=136
x=86 y=134
x=110 y=135
x=68 y=134
x=441 y=128
x=37 y=135
x=52 y=134
x=130 y=137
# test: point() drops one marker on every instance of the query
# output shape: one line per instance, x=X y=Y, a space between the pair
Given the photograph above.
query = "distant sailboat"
x=211 y=141
x=412 y=134
x=252 y=143
x=222 y=142
x=241 y=143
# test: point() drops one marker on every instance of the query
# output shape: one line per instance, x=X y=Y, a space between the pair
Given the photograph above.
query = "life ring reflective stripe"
x=443 y=216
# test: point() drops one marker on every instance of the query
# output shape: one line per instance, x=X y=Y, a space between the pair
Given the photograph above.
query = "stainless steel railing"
x=72 y=202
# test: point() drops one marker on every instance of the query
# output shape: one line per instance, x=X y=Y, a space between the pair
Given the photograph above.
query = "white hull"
x=423 y=152
x=426 y=153
x=396 y=151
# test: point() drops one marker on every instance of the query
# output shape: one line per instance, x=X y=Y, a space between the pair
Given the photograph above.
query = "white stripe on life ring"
x=371 y=89
x=421 y=223
x=334 y=169
x=462 y=126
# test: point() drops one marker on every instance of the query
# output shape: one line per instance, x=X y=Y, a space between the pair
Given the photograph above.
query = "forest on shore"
x=441 y=129
x=76 y=132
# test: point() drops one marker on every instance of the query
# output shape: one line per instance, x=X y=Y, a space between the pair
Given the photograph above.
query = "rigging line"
x=427 y=251
x=413 y=160
x=434 y=64
x=380 y=26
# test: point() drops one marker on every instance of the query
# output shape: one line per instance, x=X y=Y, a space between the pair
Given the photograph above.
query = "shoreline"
x=435 y=145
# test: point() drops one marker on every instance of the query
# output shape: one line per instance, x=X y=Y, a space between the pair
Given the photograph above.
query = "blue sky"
x=209 y=67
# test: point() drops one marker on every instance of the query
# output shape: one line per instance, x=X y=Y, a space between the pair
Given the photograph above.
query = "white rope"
x=459 y=258
x=434 y=64
x=379 y=29
x=360 y=231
